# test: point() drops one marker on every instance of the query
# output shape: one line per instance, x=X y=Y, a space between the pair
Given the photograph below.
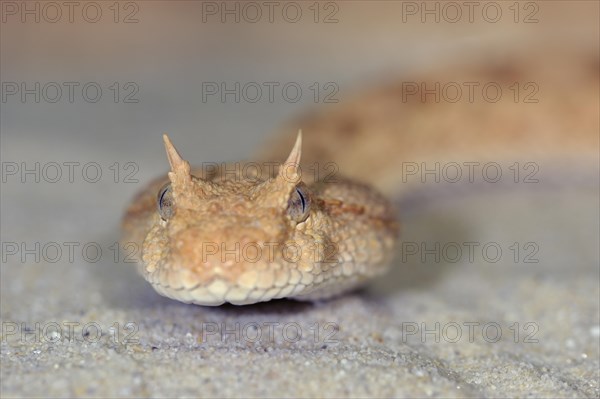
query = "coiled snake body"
x=211 y=238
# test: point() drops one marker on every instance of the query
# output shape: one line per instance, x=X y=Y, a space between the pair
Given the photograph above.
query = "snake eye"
x=299 y=203
x=165 y=202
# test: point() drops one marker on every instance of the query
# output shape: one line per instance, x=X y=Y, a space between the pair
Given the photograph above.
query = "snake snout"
x=224 y=246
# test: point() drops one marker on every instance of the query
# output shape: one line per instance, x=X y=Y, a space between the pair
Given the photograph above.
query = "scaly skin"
x=231 y=238
x=350 y=232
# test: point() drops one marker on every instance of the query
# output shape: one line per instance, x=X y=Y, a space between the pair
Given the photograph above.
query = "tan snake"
x=209 y=238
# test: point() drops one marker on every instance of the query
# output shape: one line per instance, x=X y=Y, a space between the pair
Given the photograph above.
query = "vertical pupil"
x=162 y=196
x=301 y=199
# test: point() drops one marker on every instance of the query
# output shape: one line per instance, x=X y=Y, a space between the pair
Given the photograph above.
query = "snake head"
x=223 y=238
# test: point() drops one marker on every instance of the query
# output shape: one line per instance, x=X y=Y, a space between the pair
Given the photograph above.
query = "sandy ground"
x=520 y=323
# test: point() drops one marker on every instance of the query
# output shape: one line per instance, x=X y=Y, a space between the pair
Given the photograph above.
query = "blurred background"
x=88 y=88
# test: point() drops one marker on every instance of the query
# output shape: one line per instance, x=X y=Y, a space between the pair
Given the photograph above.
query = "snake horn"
x=180 y=176
x=177 y=163
x=290 y=169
